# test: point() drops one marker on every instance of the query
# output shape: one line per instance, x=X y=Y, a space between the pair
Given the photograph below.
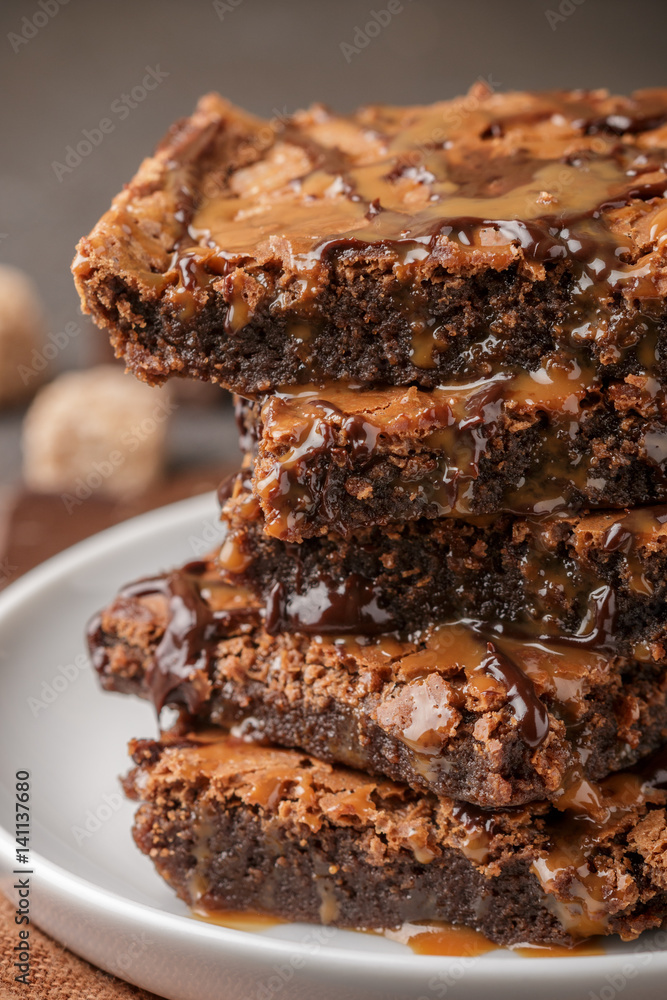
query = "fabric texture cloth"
x=55 y=973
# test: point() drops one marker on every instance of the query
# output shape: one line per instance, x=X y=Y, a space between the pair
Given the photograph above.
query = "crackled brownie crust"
x=340 y=458
x=462 y=710
x=399 y=246
x=234 y=826
x=601 y=577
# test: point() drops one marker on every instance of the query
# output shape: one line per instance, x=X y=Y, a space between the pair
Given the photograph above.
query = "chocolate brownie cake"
x=402 y=246
x=601 y=578
x=233 y=826
x=464 y=709
x=340 y=458
x=445 y=563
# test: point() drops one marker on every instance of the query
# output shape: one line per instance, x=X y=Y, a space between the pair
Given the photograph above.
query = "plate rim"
x=64 y=882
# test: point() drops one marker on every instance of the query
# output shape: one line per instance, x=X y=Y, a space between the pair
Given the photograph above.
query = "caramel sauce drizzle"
x=303 y=431
x=580 y=888
x=556 y=582
x=519 y=664
x=544 y=185
x=577 y=881
x=201 y=611
x=569 y=861
x=518 y=668
x=338 y=202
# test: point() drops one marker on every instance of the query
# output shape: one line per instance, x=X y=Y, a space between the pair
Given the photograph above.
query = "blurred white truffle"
x=22 y=337
x=95 y=432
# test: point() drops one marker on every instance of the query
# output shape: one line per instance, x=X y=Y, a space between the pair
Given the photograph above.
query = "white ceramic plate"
x=91 y=888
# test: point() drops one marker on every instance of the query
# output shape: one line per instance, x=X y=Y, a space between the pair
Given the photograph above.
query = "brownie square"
x=417 y=245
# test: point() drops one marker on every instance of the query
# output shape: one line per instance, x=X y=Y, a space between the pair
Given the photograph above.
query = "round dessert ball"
x=95 y=432
x=21 y=337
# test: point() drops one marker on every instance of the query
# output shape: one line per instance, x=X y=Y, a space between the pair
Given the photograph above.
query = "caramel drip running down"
x=306 y=431
x=542 y=183
x=571 y=852
x=583 y=901
x=555 y=582
x=638 y=528
x=573 y=870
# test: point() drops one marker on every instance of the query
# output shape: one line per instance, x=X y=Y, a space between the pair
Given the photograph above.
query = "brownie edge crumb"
x=231 y=825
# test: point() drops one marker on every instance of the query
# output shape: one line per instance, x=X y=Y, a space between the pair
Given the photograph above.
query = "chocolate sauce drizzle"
x=531 y=714
x=652 y=771
x=347 y=607
x=473 y=818
x=184 y=656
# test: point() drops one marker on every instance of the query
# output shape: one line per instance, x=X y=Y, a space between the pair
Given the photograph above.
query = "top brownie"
x=398 y=246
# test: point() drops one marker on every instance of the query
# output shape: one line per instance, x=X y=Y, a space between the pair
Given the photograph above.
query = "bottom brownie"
x=235 y=826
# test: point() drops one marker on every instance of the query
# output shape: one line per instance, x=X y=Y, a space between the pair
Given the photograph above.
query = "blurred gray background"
x=66 y=65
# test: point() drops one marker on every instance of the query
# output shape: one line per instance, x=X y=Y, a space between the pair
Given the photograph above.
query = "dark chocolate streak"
x=598 y=632
x=473 y=818
x=190 y=638
x=349 y=607
x=619 y=538
x=530 y=713
x=653 y=770
x=225 y=488
x=320 y=603
x=361 y=434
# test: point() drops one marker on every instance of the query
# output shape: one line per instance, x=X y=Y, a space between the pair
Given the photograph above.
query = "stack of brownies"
x=424 y=677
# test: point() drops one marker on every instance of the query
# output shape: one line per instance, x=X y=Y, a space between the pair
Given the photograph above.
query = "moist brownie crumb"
x=462 y=710
x=601 y=576
x=234 y=826
x=340 y=458
x=401 y=246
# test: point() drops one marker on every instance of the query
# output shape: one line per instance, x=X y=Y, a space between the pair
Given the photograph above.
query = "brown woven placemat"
x=55 y=973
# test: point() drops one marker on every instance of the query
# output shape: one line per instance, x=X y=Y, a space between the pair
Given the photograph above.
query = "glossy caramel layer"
x=422 y=239
x=340 y=457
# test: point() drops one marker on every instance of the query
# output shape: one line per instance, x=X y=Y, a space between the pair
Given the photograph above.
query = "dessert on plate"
x=424 y=676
